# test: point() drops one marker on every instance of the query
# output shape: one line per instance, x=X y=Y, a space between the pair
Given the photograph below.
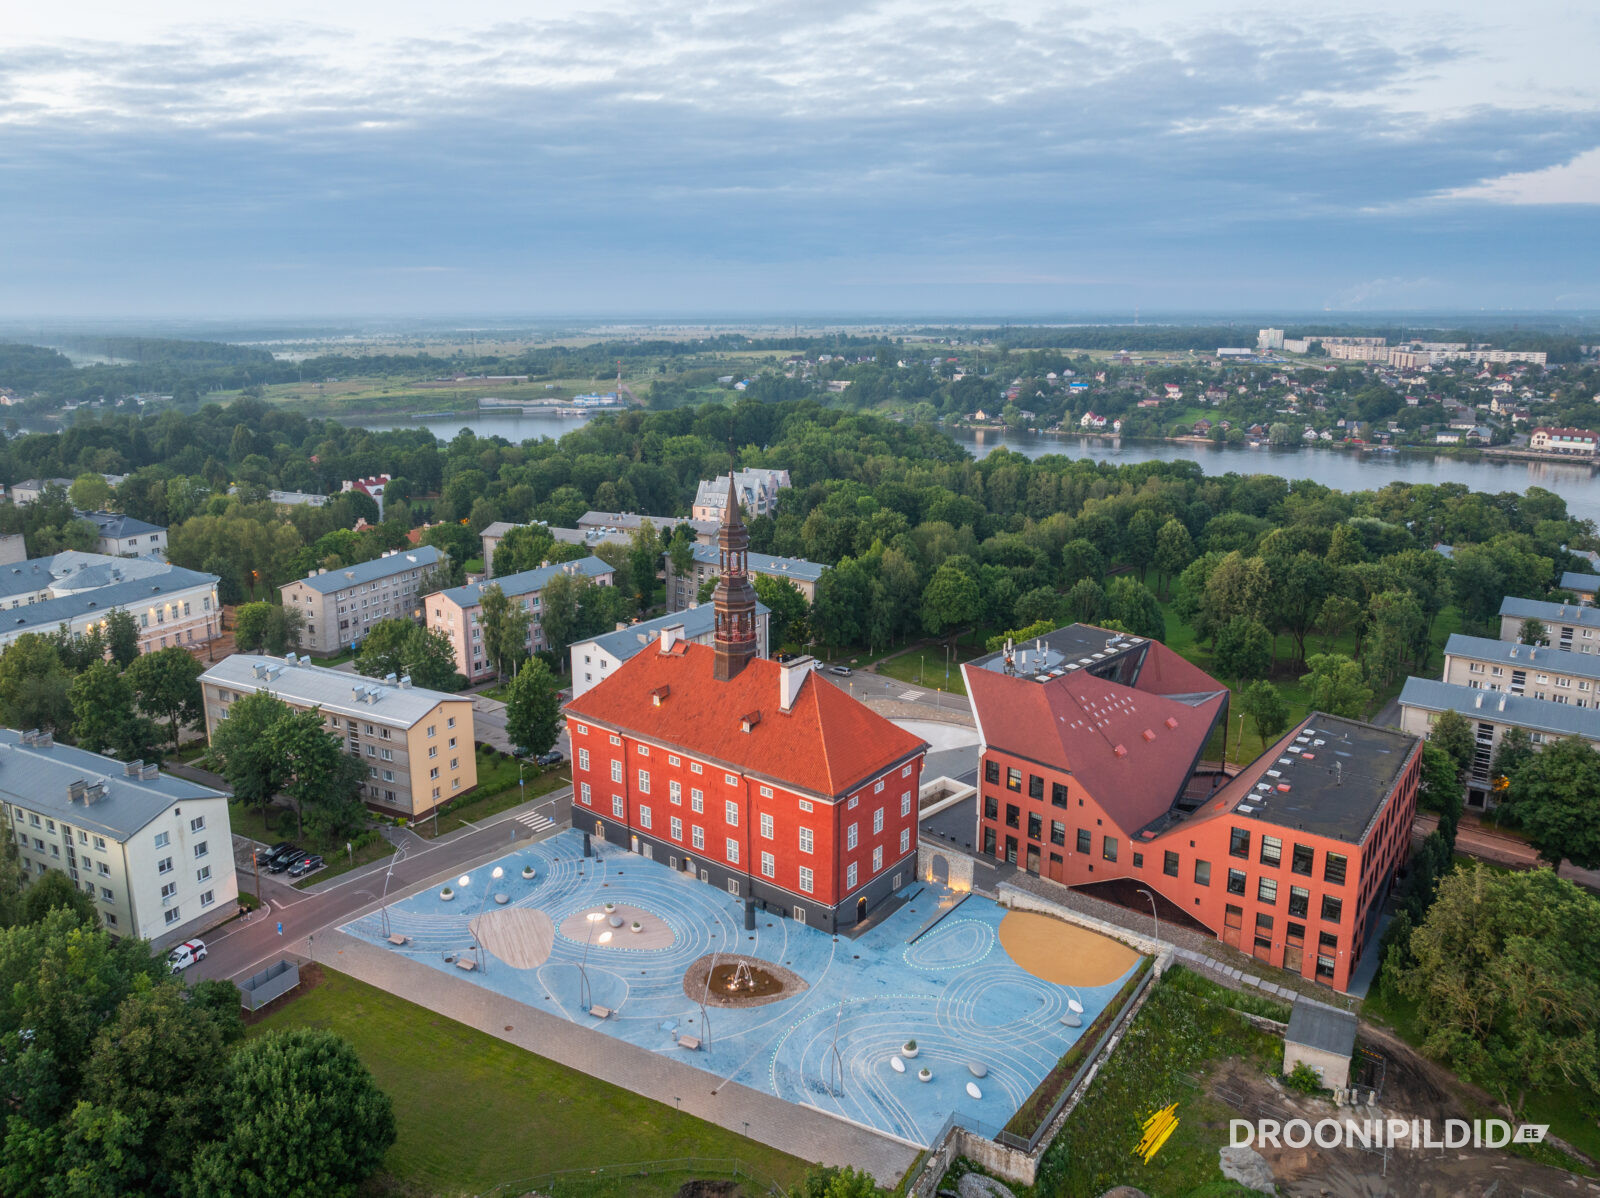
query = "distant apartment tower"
x=154 y=852
x=458 y=612
x=1269 y=339
x=416 y=744
x=341 y=606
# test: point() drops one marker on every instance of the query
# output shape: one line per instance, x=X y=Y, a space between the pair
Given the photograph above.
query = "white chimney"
x=670 y=636
x=791 y=674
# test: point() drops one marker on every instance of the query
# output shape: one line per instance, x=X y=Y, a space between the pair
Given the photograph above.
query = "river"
x=1344 y=470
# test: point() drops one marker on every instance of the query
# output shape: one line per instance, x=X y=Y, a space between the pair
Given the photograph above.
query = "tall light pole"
x=482 y=903
x=584 y=995
x=399 y=855
x=1156 y=919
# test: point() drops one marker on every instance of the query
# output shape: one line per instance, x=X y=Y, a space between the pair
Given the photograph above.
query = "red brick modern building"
x=1092 y=776
x=757 y=776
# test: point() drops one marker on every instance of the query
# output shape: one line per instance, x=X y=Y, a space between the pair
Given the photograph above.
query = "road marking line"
x=912 y=695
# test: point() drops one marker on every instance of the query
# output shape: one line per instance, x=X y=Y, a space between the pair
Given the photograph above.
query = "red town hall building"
x=757 y=776
x=1092 y=776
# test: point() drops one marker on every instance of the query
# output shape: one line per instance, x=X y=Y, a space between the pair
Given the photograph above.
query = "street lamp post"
x=584 y=996
x=482 y=903
x=399 y=855
x=1154 y=918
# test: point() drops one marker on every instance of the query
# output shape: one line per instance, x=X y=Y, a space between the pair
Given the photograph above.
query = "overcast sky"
x=803 y=157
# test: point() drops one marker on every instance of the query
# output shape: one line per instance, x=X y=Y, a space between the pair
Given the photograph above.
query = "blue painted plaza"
x=832 y=1045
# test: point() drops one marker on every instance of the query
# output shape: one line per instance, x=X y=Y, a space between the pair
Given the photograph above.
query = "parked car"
x=186 y=954
x=305 y=865
x=783 y=657
x=842 y=671
x=276 y=851
x=553 y=757
x=284 y=860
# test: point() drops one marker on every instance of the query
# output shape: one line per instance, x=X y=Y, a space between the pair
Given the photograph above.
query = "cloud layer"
x=791 y=157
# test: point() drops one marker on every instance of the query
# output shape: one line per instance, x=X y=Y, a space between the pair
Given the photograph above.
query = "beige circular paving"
x=520 y=936
x=653 y=930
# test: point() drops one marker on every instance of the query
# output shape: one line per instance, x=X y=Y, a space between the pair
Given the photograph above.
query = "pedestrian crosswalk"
x=912 y=694
x=536 y=821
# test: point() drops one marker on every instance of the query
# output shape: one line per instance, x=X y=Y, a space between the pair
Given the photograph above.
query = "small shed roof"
x=1322 y=1027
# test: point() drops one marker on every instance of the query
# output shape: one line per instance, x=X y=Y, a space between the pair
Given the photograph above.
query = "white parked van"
x=186 y=954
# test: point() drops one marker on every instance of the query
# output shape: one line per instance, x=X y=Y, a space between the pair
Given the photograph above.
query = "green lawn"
x=497 y=791
x=473 y=1111
x=925 y=666
x=280 y=825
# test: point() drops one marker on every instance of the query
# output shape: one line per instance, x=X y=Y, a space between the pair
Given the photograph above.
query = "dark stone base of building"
x=758 y=894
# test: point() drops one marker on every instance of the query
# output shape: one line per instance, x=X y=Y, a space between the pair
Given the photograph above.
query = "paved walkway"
x=1475 y=839
x=799 y=1131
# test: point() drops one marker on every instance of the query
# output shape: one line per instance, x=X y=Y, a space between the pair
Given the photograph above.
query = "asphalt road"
x=864 y=685
x=244 y=946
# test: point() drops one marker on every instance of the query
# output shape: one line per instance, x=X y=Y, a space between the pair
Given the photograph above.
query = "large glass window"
x=1035 y=786
x=1332 y=908
x=1202 y=873
x=1299 y=901
x=1301 y=862
x=1271 y=850
x=1014 y=779
x=1266 y=890
x=1239 y=843
x=1085 y=841
x=1169 y=864
x=1236 y=880
x=1108 y=848
x=1333 y=868
x=1058 y=795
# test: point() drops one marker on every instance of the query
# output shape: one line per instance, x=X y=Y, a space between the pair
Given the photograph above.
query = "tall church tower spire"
x=734 y=600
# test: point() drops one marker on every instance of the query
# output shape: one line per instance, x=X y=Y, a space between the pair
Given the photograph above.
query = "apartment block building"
x=1584 y=586
x=683 y=590
x=458 y=611
x=173 y=606
x=416 y=744
x=1091 y=776
x=1574 y=442
x=1538 y=671
x=341 y=606
x=1570 y=626
x=1423 y=700
x=154 y=851
x=594 y=660
x=123 y=536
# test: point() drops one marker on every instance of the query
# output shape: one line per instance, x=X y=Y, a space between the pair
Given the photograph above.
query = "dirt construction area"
x=1413 y=1089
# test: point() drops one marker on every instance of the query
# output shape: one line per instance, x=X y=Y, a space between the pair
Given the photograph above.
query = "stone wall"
x=1022 y=900
x=958 y=864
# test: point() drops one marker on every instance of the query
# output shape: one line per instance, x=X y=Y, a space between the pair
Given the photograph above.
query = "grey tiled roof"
x=331 y=690
x=762 y=563
x=424 y=557
x=527 y=582
x=1500 y=707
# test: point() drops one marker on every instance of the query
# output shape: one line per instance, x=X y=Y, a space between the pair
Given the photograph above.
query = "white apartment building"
x=1269 y=339
x=1538 y=671
x=123 y=536
x=173 y=606
x=341 y=606
x=1569 y=626
x=594 y=660
x=155 y=851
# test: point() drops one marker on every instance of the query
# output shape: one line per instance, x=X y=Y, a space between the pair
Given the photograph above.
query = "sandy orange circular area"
x=519 y=936
x=1063 y=953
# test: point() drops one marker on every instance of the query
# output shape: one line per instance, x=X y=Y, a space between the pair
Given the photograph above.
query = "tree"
x=1453 y=733
x=644 y=560
x=1336 y=685
x=303 y=1118
x=1266 y=709
x=1514 y=751
x=1439 y=789
x=1395 y=630
x=244 y=741
x=89 y=493
x=533 y=709
x=1135 y=608
x=505 y=627
x=310 y=761
x=1554 y=798
x=1244 y=650
x=1337 y=616
x=402 y=647
x=1039 y=606
x=1085 y=601
x=269 y=628
x=55 y=890
x=1505 y=983
x=950 y=602
x=835 y=1181
x=786 y=605
x=1139 y=542
x=122 y=637
x=1174 y=551
x=34 y=685
x=104 y=719
x=1533 y=632
x=167 y=683
x=1237 y=587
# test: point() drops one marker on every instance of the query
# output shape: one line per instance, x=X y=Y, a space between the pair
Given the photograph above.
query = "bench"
x=599 y=1012
x=466 y=963
x=690 y=1042
x=397 y=939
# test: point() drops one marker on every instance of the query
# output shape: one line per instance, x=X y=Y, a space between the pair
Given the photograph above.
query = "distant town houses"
x=373 y=486
x=340 y=606
x=757 y=493
x=457 y=613
x=1571 y=442
x=123 y=536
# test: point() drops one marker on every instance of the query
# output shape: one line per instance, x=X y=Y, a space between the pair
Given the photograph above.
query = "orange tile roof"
x=1098 y=729
x=827 y=742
